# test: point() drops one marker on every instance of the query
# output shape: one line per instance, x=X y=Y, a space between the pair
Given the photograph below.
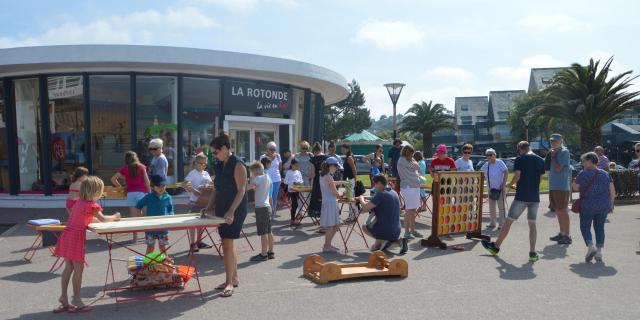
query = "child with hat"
x=442 y=162
x=158 y=203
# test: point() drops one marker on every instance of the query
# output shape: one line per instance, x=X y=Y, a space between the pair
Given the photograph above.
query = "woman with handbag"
x=496 y=173
x=596 y=201
x=196 y=182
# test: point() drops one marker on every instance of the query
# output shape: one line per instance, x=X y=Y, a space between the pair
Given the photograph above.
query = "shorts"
x=263 y=220
x=411 y=198
x=232 y=231
x=134 y=197
x=558 y=200
x=150 y=239
x=517 y=208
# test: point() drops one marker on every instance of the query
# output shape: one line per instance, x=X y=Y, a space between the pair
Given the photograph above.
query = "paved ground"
x=441 y=284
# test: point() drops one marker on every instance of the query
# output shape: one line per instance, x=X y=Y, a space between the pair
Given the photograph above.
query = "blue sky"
x=440 y=49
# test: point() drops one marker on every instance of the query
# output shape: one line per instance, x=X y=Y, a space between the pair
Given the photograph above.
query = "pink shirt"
x=134 y=184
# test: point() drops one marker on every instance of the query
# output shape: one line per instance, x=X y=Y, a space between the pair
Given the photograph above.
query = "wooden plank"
x=140 y=224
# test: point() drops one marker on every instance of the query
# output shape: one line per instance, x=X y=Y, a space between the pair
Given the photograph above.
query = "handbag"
x=575 y=206
x=359 y=188
x=494 y=194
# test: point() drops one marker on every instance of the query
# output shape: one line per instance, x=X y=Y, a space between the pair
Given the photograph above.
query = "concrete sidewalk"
x=441 y=284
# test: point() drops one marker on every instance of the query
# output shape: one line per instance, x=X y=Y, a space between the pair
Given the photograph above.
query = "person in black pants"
x=293 y=177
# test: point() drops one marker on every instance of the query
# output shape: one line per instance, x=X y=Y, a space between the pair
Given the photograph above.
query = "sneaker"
x=598 y=256
x=408 y=235
x=556 y=237
x=404 y=247
x=259 y=257
x=385 y=245
x=331 y=249
x=271 y=255
x=204 y=245
x=194 y=247
x=533 y=256
x=565 y=240
x=416 y=234
x=491 y=226
x=591 y=252
x=375 y=247
x=491 y=247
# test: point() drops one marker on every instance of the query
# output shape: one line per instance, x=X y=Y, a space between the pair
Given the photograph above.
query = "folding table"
x=154 y=223
x=304 y=194
x=56 y=230
x=351 y=227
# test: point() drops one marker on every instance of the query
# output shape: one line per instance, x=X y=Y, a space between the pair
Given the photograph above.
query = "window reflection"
x=200 y=112
x=27 y=95
x=4 y=164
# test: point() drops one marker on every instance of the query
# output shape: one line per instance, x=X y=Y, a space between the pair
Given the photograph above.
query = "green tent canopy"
x=364 y=136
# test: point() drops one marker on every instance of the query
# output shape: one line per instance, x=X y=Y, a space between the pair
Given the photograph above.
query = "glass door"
x=261 y=139
x=240 y=144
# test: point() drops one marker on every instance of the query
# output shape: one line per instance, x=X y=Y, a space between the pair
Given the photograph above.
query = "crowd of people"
x=224 y=184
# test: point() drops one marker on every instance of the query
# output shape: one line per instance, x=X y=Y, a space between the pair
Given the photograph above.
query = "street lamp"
x=394 y=90
x=527 y=119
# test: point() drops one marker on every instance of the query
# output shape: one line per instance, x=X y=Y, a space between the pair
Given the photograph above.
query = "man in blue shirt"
x=158 y=203
x=559 y=173
x=529 y=168
x=394 y=155
x=385 y=207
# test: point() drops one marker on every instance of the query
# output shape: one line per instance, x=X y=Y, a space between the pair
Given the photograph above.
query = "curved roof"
x=161 y=59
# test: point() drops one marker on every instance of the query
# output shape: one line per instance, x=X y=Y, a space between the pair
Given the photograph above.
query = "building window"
x=312 y=113
x=200 y=113
x=66 y=120
x=110 y=114
x=483 y=131
x=466 y=120
x=503 y=115
x=464 y=107
x=157 y=117
x=29 y=135
x=545 y=80
x=4 y=156
x=482 y=118
x=503 y=132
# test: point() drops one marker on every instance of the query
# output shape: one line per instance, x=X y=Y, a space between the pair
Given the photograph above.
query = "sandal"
x=74 y=309
x=61 y=309
x=227 y=293
x=223 y=286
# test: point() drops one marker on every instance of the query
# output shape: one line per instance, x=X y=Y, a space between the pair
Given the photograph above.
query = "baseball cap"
x=555 y=137
x=332 y=161
x=441 y=149
x=158 y=180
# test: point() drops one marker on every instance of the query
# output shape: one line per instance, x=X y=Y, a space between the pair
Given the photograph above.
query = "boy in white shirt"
x=292 y=178
x=262 y=186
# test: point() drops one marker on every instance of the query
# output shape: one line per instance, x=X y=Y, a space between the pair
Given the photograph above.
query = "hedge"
x=626 y=183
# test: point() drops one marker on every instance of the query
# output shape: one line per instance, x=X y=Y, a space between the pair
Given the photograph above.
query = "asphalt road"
x=447 y=284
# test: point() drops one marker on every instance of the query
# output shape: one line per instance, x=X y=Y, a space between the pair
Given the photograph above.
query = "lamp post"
x=527 y=119
x=394 y=90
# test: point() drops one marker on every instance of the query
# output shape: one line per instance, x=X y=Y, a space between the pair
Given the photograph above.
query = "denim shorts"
x=134 y=197
x=150 y=239
x=518 y=207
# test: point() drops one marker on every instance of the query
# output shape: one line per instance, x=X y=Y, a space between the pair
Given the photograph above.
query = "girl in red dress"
x=71 y=244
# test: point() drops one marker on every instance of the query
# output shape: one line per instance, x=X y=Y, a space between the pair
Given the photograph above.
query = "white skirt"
x=411 y=198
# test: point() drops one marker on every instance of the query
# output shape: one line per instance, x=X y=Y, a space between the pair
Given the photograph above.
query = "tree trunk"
x=589 y=139
x=427 y=141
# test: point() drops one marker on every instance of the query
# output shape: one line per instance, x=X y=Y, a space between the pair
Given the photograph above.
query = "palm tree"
x=427 y=119
x=584 y=95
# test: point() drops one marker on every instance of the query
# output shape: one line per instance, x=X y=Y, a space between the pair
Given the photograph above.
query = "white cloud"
x=518 y=76
x=248 y=5
x=390 y=34
x=553 y=23
x=449 y=74
x=138 y=27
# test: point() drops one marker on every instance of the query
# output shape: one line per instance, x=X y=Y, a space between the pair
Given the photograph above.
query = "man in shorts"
x=529 y=168
x=559 y=174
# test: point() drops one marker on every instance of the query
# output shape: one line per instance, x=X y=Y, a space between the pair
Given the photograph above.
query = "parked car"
x=479 y=165
x=510 y=162
x=362 y=166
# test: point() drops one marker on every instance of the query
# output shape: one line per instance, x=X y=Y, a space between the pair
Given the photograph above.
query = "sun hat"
x=158 y=180
x=441 y=149
x=555 y=137
x=332 y=161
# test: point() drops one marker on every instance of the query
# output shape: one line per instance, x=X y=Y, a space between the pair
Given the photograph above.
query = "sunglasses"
x=466 y=152
x=272 y=150
x=202 y=163
x=490 y=155
x=153 y=149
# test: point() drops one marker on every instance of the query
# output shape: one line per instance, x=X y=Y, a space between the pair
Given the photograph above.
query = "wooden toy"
x=318 y=271
x=457 y=207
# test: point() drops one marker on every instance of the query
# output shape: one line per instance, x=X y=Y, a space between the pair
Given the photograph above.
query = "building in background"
x=86 y=105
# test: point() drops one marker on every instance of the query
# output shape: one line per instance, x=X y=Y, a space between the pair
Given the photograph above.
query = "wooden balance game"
x=318 y=271
x=457 y=207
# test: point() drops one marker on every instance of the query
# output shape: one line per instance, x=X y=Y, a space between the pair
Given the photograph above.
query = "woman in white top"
x=496 y=174
x=193 y=182
x=410 y=190
x=274 y=174
x=464 y=163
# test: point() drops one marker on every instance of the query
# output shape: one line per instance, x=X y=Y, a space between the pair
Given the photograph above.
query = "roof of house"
x=540 y=77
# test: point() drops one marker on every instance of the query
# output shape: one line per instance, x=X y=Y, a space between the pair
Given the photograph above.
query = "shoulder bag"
x=575 y=206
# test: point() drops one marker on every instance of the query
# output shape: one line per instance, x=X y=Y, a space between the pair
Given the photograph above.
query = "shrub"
x=626 y=183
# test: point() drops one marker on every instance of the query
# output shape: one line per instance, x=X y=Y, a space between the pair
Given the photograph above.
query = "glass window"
x=240 y=143
x=110 y=112
x=262 y=138
x=312 y=124
x=503 y=115
x=297 y=114
x=27 y=102
x=200 y=112
x=66 y=120
x=466 y=120
x=4 y=156
x=464 y=107
x=156 y=117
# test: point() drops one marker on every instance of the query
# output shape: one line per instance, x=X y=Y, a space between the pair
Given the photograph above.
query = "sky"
x=440 y=49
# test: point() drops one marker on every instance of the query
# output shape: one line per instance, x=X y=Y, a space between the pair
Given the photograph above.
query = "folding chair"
x=352 y=227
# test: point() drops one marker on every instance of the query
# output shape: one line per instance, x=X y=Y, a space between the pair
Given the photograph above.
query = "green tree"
x=347 y=117
x=539 y=126
x=588 y=97
x=425 y=119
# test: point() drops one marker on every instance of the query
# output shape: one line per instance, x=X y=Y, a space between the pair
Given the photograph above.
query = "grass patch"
x=544 y=183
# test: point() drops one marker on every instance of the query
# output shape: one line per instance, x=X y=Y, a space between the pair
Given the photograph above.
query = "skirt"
x=71 y=245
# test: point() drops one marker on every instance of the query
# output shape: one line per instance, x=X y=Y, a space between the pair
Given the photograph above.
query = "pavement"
x=447 y=284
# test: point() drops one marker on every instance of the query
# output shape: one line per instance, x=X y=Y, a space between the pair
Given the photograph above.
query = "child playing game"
x=330 y=211
x=79 y=175
x=158 y=203
x=197 y=178
x=442 y=162
x=71 y=244
x=266 y=163
x=292 y=178
x=261 y=183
